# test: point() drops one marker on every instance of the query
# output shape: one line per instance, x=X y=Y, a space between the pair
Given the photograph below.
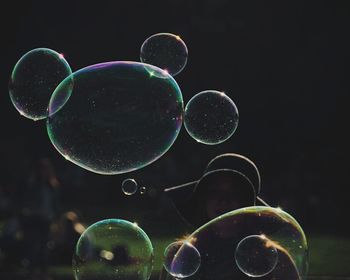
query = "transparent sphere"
x=256 y=255
x=115 y=117
x=34 y=79
x=211 y=117
x=165 y=50
x=129 y=186
x=181 y=259
x=113 y=249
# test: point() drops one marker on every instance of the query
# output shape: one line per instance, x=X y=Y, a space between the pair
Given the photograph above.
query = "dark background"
x=285 y=64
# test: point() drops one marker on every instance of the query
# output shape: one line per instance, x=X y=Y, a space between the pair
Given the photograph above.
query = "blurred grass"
x=329 y=257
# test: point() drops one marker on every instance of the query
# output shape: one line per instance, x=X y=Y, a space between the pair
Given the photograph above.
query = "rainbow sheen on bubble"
x=181 y=259
x=129 y=186
x=113 y=249
x=218 y=239
x=118 y=118
x=256 y=255
x=165 y=50
x=211 y=117
x=34 y=79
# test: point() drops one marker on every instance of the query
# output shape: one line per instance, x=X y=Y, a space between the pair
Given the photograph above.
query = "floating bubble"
x=165 y=50
x=129 y=186
x=143 y=190
x=216 y=193
x=181 y=259
x=118 y=118
x=211 y=117
x=217 y=240
x=34 y=79
x=256 y=255
x=239 y=163
x=113 y=249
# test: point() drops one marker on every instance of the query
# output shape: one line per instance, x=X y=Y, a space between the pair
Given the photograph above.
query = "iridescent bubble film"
x=113 y=249
x=256 y=255
x=118 y=117
x=181 y=259
x=211 y=117
x=129 y=186
x=165 y=50
x=217 y=241
x=34 y=79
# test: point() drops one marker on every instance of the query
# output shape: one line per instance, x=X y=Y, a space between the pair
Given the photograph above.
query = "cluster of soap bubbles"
x=256 y=241
x=239 y=235
x=130 y=187
x=120 y=116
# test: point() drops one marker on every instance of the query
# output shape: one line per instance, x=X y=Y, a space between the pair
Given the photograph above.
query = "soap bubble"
x=165 y=50
x=211 y=117
x=217 y=240
x=239 y=163
x=129 y=186
x=216 y=193
x=256 y=255
x=181 y=259
x=118 y=118
x=143 y=190
x=34 y=79
x=113 y=249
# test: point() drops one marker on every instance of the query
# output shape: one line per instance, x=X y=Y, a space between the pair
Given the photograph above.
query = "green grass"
x=329 y=256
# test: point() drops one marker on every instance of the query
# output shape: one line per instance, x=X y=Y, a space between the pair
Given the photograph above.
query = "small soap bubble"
x=211 y=117
x=34 y=79
x=165 y=50
x=181 y=259
x=143 y=190
x=129 y=186
x=256 y=255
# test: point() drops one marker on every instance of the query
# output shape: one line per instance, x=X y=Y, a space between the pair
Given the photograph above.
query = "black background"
x=285 y=64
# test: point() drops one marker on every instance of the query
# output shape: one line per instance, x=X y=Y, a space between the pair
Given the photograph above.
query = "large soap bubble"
x=165 y=50
x=33 y=80
x=113 y=249
x=211 y=117
x=218 y=239
x=181 y=259
x=118 y=117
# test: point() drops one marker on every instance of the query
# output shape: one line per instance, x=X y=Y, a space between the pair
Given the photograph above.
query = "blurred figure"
x=11 y=235
x=64 y=236
x=40 y=206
